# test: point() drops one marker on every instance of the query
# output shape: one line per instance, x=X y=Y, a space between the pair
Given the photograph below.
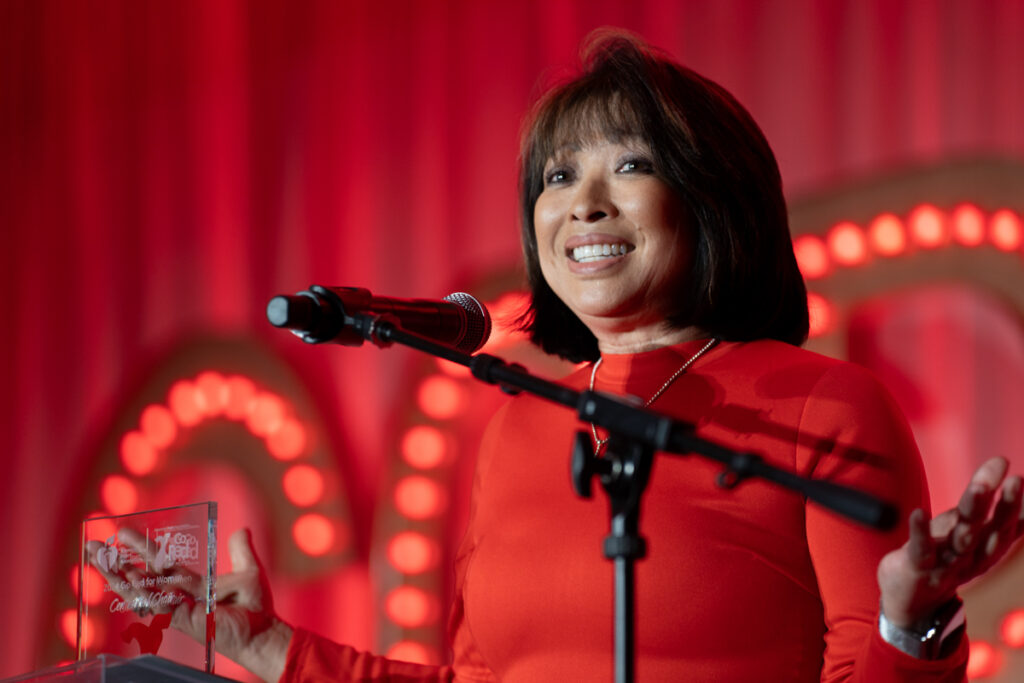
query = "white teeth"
x=596 y=252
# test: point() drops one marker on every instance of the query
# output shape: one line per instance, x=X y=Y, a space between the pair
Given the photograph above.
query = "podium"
x=113 y=669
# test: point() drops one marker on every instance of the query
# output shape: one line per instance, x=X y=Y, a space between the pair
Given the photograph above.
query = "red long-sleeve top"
x=749 y=584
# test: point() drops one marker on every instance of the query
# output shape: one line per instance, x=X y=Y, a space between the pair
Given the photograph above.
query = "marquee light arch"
x=216 y=417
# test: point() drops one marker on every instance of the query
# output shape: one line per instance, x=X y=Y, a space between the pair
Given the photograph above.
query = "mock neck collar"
x=617 y=368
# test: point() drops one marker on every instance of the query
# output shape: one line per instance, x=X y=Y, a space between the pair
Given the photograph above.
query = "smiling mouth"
x=589 y=253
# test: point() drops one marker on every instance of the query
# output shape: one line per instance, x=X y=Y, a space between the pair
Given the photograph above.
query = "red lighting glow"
x=887 y=236
x=303 y=485
x=504 y=312
x=240 y=393
x=419 y=498
x=119 y=495
x=440 y=397
x=138 y=455
x=411 y=651
x=314 y=534
x=100 y=529
x=928 y=227
x=453 y=369
x=1006 y=231
x=69 y=628
x=822 y=317
x=411 y=552
x=983 y=660
x=288 y=441
x=185 y=403
x=424 y=447
x=92 y=585
x=811 y=256
x=266 y=413
x=847 y=244
x=213 y=393
x=1011 y=630
x=158 y=425
x=509 y=305
x=411 y=607
x=968 y=225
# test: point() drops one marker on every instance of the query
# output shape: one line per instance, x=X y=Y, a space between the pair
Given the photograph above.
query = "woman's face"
x=612 y=237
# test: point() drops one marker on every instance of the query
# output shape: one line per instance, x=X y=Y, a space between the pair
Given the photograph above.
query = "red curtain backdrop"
x=168 y=166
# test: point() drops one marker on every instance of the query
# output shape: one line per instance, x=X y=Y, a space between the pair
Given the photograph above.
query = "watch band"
x=931 y=638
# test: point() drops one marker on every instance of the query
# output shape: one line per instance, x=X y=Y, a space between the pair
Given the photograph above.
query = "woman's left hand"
x=953 y=547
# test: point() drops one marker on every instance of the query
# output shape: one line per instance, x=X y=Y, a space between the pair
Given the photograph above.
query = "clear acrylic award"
x=157 y=572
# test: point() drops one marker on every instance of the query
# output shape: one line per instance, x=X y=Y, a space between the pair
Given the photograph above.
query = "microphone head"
x=478 y=321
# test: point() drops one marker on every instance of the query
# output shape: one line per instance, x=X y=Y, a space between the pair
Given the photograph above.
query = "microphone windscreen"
x=478 y=321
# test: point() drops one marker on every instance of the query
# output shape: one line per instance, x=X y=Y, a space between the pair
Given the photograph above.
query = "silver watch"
x=929 y=638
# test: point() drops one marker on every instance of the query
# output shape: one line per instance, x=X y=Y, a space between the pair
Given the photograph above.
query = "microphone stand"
x=634 y=436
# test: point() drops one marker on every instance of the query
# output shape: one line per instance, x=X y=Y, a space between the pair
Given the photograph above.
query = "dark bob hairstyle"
x=744 y=283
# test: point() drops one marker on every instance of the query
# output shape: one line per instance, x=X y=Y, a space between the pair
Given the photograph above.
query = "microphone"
x=328 y=314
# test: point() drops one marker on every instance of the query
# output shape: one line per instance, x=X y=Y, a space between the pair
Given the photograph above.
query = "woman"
x=657 y=246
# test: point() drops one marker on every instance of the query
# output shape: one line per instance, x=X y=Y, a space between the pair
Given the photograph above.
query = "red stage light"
x=1006 y=231
x=887 y=236
x=314 y=534
x=411 y=552
x=440 y=397
x=288 y=441
x=138 y=455
x=241 y=392
x=424 y=447
x=411 y=607
x=452 y=369
x=928 y=227
x=119 y=495
x=303 y=485
x=411 y=651
x=213 y=392
x=92 y=584
x=968 y=225
x=983 y=660
x=185 y=403
x=1011 y=630
x=69 y=628
x=158 y=425
x=266 y=413
x=100 y=529
x=847 y=244
x=811 y=256
x=419 y=498
x=822 y=317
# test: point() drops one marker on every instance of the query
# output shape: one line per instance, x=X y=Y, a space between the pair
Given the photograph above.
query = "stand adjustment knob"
x=632 y=547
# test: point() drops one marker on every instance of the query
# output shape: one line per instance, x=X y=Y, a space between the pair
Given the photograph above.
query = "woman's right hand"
x=249 y=632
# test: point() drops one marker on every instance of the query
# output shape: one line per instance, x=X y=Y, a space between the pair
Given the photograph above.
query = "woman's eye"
x=636 y=165
x=557 y=176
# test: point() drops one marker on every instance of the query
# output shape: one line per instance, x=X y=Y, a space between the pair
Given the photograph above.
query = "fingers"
x=921 y=545
x=229 y=586
x=975 y=502
x=243 y=556
x=972 y=512
x=981 y=534
x=1002 y=529
x=942 y=525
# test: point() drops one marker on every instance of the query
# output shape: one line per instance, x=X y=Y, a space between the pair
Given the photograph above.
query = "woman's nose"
x=592 y=201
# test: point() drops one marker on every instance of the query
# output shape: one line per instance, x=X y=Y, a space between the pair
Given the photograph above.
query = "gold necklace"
x=599 y=443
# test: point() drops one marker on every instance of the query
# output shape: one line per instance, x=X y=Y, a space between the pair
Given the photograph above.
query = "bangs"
x=577 y=116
